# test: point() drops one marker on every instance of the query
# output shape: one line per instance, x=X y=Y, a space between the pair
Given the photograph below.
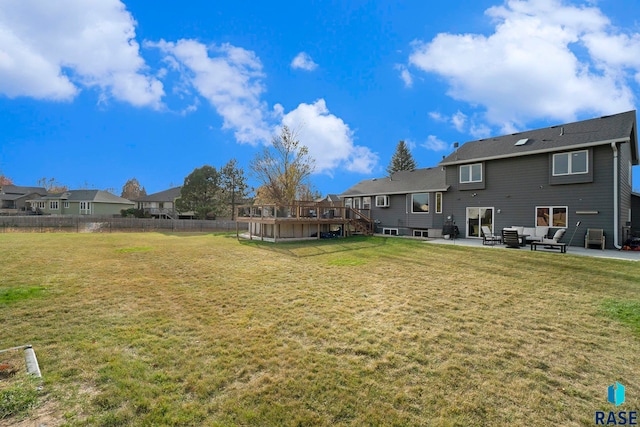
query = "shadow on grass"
x=309 y=248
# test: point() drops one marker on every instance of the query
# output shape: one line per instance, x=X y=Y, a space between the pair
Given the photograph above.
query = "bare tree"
x=283 y=169
x=5 y=180
x=132 y=190
x=52 y=186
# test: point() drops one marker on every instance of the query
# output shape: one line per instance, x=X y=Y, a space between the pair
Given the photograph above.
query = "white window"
x=573 y=163
x=551 y=216
x=85 y=208
x=366 y=202
x=471 y=173
x=348 y=202
x=53 y=205
x=438 y=203
x=420 y=233
x=390 y=231
x=382 y=201
x=65 y=205
x=420 y=203
x=41 y=205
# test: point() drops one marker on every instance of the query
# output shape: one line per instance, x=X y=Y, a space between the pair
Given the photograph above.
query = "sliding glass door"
x=476 y=219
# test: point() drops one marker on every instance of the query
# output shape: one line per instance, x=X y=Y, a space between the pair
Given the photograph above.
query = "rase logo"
x=615 y=396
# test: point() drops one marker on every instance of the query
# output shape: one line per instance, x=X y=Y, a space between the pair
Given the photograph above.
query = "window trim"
x=54 y=205
x=366 y=202
x=390 y=231
x=412 y=204
x=551 y=208
x=439 y=202
x=470 y=167
x=385 y=201
x=569 y=163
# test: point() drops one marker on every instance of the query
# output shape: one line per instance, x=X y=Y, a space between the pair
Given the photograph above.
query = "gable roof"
x=587 y=133
x=17 y=189
x=401 y=182
x=162 y=196
x=96 y=196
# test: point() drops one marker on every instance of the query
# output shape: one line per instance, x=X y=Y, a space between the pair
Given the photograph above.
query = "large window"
x=471 y=173
x=53 y=205
x=85 y=208
x=551 y=216
x=366 y=202
x=575 y=162
x=420 y=203
x=382 y=201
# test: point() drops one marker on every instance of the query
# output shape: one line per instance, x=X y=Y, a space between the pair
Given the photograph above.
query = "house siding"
x=626 y=189
x=515 y=186
x=398 y=215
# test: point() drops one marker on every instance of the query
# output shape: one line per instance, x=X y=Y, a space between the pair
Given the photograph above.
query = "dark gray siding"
x=625 y=188
x=514 y=187
x=398 y=215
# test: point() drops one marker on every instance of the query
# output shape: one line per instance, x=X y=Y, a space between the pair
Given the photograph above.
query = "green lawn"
x=201 y=329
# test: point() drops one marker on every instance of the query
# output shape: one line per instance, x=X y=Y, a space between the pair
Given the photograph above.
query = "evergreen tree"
x=402 y=159
x=234 y=184
x=202 y=193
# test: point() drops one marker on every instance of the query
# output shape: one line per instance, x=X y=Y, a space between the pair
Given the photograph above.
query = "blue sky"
x=95 y=92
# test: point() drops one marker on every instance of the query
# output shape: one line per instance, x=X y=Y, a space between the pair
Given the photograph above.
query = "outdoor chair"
x=510 y=238
x=594 y=236
x=488 y=238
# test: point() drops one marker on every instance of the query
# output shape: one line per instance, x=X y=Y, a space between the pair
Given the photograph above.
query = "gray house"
x=163 y=204
x=553 y=177
x=407 y=203
x=13 y=198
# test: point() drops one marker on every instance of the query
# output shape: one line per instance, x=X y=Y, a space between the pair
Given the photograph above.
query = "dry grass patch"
x=201 y=329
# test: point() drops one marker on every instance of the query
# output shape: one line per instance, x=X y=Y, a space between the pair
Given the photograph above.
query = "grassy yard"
x=180 y=329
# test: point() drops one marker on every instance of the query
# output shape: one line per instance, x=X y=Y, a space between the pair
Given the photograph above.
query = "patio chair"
x=594 y=236
x=510 y=238
x=488 y=238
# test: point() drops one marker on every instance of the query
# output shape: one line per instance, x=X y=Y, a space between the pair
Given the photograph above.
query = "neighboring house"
x=81 y=202
x=555 y=176
x=407 y=203
x=13 y=198
x=163 y=205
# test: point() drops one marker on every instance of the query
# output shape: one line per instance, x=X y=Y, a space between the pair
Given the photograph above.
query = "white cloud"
x=329 y=139
x=530 y=67
x=48 y=50
x=303 y=61
x=459 y=121
x=405 y=75
x=434 y=144
x=230 y=78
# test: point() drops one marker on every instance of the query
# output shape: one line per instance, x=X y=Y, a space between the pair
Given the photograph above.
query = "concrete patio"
x=573 y=250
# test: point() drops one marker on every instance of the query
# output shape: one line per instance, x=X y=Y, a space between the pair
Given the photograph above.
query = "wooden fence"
x=86 y=224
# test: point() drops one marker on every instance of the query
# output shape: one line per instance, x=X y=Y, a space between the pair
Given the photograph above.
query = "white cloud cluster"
x=48 y=50
x=533 y=65
x=329 y=139
x=230 y=78
x=303 y=61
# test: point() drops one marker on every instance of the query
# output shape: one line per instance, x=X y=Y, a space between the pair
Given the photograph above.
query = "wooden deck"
x=302 y=221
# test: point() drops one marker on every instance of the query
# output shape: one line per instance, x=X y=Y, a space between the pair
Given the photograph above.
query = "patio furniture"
x=511 y=238
x=488 y=238
x=553 y=243
x=594 y=236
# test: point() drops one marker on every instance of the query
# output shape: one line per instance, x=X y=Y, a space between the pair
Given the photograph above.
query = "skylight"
x=522 y=141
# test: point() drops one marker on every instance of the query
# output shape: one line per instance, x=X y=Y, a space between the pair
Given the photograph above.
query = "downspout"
x=616 y=178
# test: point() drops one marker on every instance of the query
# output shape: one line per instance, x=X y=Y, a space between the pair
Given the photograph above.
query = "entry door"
x=357 y=203
x=476 y=218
